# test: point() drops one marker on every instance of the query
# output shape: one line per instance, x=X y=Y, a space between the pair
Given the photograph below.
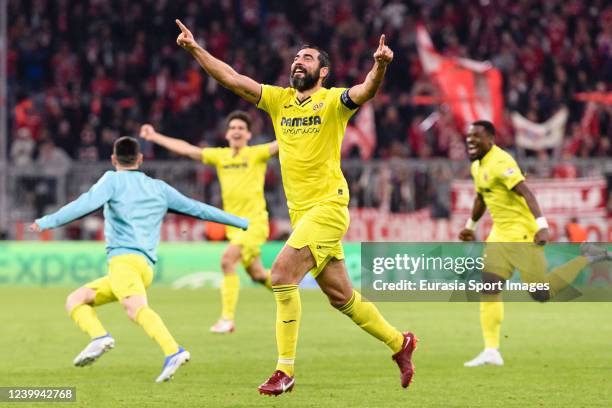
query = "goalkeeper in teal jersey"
x=134 y=207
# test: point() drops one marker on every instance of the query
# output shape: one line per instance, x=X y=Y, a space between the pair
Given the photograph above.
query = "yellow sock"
x=86 y=318
x=560 y=277
x=288 y=313
x=268 y=282
x=157 y=330
x=491 y=317
x=230 y=287
x=367 y=316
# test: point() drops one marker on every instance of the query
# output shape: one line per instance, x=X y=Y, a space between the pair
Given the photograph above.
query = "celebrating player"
x=309 y=121
x=134 y=207
x=241 y=170
x=518 y=225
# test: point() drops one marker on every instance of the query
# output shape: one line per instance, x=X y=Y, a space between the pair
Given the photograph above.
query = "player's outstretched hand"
x=542 y=237
x=34 y=227
x=147 y=131
x=383 y=54
x=467 y=235
x=185 y=38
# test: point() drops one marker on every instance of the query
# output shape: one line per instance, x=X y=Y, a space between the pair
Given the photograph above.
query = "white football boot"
x=94 y=350
x=223 y=326
x=172 y=363
x=488 y=356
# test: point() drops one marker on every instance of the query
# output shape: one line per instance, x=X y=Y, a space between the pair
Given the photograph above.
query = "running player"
x=517 y=238
x=241 y=170
x=134 y=207
x=309 y=121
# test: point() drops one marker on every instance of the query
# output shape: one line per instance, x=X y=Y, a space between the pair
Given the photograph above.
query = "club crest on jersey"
x=485 y=177
x=508 y=172
x=318 y=106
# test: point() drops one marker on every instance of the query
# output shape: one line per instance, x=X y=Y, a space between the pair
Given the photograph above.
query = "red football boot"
x=277 y=384
x=403 y=358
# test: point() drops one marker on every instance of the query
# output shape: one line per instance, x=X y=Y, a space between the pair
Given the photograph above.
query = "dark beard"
x=308 y=81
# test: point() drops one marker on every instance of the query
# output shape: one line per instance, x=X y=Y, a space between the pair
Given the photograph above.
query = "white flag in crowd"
x=538 y=136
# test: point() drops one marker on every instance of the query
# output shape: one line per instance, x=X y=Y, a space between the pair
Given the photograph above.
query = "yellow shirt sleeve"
x=509 y=173
x=270 y=99
x=210 y=155
x=262 y=152
x=474 y=173
x=342 y=104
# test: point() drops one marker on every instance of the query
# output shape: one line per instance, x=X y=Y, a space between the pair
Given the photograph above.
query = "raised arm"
x=178 y=146
x=365 y=91
x=184 y=205
x=88 y=202
x=241 y=85
x=274 y=148
x=478 y=210
x=542 y=235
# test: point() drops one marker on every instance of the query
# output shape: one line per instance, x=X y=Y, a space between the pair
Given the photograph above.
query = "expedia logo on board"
x=305 y=121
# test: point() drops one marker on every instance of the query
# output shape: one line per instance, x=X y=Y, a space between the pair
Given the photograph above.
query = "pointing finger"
x=382 y=41
x=181 y=26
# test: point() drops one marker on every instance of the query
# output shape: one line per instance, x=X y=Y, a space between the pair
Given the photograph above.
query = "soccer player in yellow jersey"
x=517 y=238
x=241 y=170
x=309 y=121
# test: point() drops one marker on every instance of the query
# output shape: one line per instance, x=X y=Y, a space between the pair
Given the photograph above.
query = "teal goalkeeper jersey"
x=134 y=207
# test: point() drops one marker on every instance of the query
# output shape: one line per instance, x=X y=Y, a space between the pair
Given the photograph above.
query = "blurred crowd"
x=82 y=73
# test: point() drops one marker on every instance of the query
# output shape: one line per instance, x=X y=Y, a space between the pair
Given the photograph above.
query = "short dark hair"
x=126 y=149
x=488 y=126
x=238 y=114
x=324 y=60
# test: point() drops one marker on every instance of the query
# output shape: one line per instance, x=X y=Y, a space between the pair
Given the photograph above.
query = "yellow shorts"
x=250 y=240
x=321 y=229
x=128 y=275
x=502 y=258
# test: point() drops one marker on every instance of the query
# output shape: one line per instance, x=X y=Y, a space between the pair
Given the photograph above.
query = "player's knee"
x=131 y=311
x=280 y=274
x=258 y=278
x=540 y=295
x=228 y=264
x=76 y=298
x=338 y=299
x=132 y=306
x=277 y=278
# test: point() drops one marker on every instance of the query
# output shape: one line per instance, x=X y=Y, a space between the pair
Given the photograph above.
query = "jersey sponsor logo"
x=242 y=165
x=304 y=121
x=301 y=126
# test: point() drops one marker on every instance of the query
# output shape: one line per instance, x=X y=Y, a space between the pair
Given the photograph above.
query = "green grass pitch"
x=557 y=355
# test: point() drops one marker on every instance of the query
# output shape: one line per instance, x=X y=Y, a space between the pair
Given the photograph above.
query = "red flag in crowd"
x=471 y=88
x=361 y=133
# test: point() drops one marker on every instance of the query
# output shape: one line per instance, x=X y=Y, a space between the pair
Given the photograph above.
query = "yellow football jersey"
x=495 y=175
x=309 y=135
x=242 y=179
